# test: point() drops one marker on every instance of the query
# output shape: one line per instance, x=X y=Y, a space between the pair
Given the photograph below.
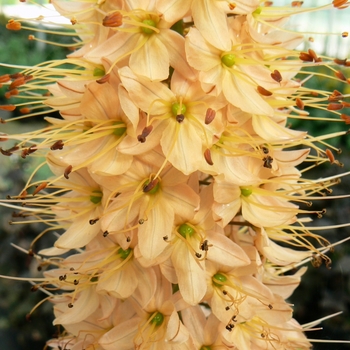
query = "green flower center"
x=218 y=277
x=257 y=11
x=246 y=192
x=150 y=23
x=158 y=319
x=99 y=72
x=96 y=197
x=228 y=60
x=176 y=109
x=124 y=253
x=120 y=128
x=185 y=230
x=205 y=348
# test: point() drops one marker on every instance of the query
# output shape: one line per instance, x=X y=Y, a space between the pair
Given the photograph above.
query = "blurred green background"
x=322 y=291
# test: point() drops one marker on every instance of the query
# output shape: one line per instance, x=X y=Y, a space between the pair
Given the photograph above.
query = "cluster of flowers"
x=175 y=190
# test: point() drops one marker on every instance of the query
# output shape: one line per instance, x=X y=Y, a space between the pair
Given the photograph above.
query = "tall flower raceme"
x=175 y=189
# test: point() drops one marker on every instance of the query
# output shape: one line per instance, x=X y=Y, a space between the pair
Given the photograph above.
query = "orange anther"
x=345 y=34
x=13 y=25
x=39 y=188
x=67 y=171
x=335 y=106
x=346 y=118
x=306 y=57
x=330 y=155
x=299 y=103
x=263 y=91
x=207 y=157
x=297 y=3
x=5 y=78
x=209 y=116
x=113 y=20
x=276 y=75
x=104 y=79
x=24 y=110
x=340 y=75
x=8 y=108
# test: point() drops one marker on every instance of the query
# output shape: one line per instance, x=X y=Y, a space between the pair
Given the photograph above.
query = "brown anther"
x=16 y=75
x=5 y=152
x=150 y=186
x=336 y=96
x=3 y=137
x=57 y=145
x=311 y=39
x=73 y=21
x=209 y=116
x=9 y=108
x=28 y=317
x=340 y=62
x=28 y=151
x=313 y=54
x=297 y=3
x=198 y=255
x=67 y=171
x=39 y=188
x=93 y=221
x=268 y=3
x=207 y=157
x=13 y=25
x=340 y=75
x=141 y=221
x=105 y=234
x=17 y=82
x=264 y=149
x=263 y=91
x=76 y=282
x=70 y=305
x=335 y=106
x=345 y=34
x=276 y=75
x=180 y=118
x=31 y=37
x=145 y=132
x=268 y=162
x=299 y=103
x=314 y=93
x=128 y=239
x=104 y=79
x=165 y=238
x=10 y=93
x=113 y=20
x=34 y=288
x=346 y=118
x=304 y=56
x=2 y=121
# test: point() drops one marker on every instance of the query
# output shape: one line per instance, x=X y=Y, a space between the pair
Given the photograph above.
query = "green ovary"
x=228 y=60
x=150 y=23
x=246 y=192
x=158 y=319
x=120 y=128
x=218 y=277
x=96 y=197
x=185 y=230
x=176 y=110
x=124 y=253
x=99 y=72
